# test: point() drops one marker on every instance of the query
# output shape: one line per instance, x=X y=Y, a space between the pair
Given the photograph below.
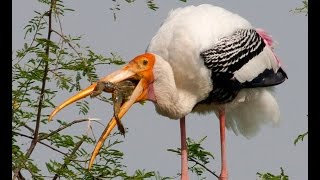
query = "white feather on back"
x=184 y=34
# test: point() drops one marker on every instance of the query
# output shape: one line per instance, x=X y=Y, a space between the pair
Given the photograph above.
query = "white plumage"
x=254 y=108
x=182 y=37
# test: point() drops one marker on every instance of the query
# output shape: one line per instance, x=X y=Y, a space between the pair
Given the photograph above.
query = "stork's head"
x=140 y=70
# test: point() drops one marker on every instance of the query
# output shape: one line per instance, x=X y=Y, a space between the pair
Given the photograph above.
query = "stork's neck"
x=172 y=101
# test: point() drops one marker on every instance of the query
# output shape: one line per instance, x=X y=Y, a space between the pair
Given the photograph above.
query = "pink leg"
x=224 y=171
x=184 y=153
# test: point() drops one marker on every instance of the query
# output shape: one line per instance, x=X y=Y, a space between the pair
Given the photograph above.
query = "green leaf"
x=303 y=9
x=84 y=107
x=197 y=155
x=269 y=176
x=300 y=138
x=152 y=5
x=68 y=9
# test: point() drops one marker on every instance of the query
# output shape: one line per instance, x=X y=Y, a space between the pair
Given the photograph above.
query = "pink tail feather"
x=268 y=40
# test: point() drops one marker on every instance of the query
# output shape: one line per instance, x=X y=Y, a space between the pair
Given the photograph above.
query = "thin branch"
x=69 y=158
x=20 y=177
x=95 y=64
x=19 y=173
x=59 y=21
x=57 y=74
x=28 y=127
x=34 y=36
x=19 y=123
x=56 y=131
x=94 y=137
x=195 y=161
x=43 y=176
x=65 y=154
x=68 y=42
x=80 y=161
x=44 y=78
x=65 y=126
x=23 y=135
x=44 y=75
x=28 y=82
x=102 y=63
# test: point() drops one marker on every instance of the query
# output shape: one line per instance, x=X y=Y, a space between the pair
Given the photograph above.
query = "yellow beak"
x=140 y=68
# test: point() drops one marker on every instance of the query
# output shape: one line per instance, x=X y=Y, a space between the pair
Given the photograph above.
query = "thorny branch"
x=44 y=78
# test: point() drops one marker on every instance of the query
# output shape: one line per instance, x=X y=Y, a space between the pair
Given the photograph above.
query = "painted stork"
x=202 y=59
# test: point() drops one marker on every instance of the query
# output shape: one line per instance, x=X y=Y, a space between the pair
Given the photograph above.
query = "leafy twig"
x=303 y=9
x=269 y=176
x=300 y=138
x=36 y=131
x=195 y=161
x=70 y=157
x=23 y=135
x=68 y=42
x=196 y=154
x=65 y=126
x=59 y=76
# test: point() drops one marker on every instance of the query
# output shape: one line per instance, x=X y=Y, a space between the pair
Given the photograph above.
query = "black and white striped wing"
x=242 y=60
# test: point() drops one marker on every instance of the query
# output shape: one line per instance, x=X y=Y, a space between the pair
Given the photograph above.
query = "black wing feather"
x=228 y=56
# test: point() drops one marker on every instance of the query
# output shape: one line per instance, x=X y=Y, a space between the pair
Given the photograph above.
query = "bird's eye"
x=145 y=62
